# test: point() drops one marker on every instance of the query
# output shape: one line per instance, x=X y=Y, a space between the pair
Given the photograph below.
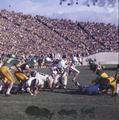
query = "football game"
x=59 y=60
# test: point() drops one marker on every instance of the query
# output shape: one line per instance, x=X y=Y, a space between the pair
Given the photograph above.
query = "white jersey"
x=40 y=79
x=62 y=64
x=29 y=81
x=75 y=61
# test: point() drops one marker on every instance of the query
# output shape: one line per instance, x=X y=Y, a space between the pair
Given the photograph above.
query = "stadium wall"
x=104 y=58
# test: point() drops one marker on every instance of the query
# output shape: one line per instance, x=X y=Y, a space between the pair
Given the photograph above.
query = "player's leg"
x=10 y=85
x=1 y=85
x=50 y=81
x=76 y=73
x=56 y=80
x=9 y=78
x=64 y=80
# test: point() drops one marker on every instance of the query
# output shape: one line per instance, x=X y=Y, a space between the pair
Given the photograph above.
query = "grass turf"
x=61 y=104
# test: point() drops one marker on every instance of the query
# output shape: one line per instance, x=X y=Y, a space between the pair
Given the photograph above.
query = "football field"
x=61 y=104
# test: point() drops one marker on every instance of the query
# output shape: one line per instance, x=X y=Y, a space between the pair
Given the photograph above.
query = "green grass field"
x=61 y=104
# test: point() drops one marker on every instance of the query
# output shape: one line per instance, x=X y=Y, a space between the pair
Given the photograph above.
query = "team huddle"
x=21 y=75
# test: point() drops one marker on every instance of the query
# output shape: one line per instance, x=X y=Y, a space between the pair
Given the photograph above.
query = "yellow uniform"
x=111 y=80
x=104 y=75
x=6 y=72
x=113 y=84
x=21 y=76
x=23 y=67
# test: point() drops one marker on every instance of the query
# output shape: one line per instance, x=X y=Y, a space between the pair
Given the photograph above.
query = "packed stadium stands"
x=25 y=35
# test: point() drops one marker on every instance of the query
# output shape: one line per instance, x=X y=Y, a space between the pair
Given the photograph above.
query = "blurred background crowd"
x=37 y=35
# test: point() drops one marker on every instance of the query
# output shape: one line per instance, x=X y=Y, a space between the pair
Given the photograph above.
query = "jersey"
x=75 y=61
x=62 y=64
x=104 y=75
x=11 y=62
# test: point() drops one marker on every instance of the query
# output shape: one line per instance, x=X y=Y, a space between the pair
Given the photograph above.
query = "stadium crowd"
x=25 y=35
x=26 y=39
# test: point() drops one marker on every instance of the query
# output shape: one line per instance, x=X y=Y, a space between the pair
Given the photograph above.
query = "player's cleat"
x=64 y=87
x=77 y=84
x=7 y=94
x=31 y=94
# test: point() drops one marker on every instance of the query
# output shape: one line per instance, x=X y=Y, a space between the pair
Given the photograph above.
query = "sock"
x=9 y=88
